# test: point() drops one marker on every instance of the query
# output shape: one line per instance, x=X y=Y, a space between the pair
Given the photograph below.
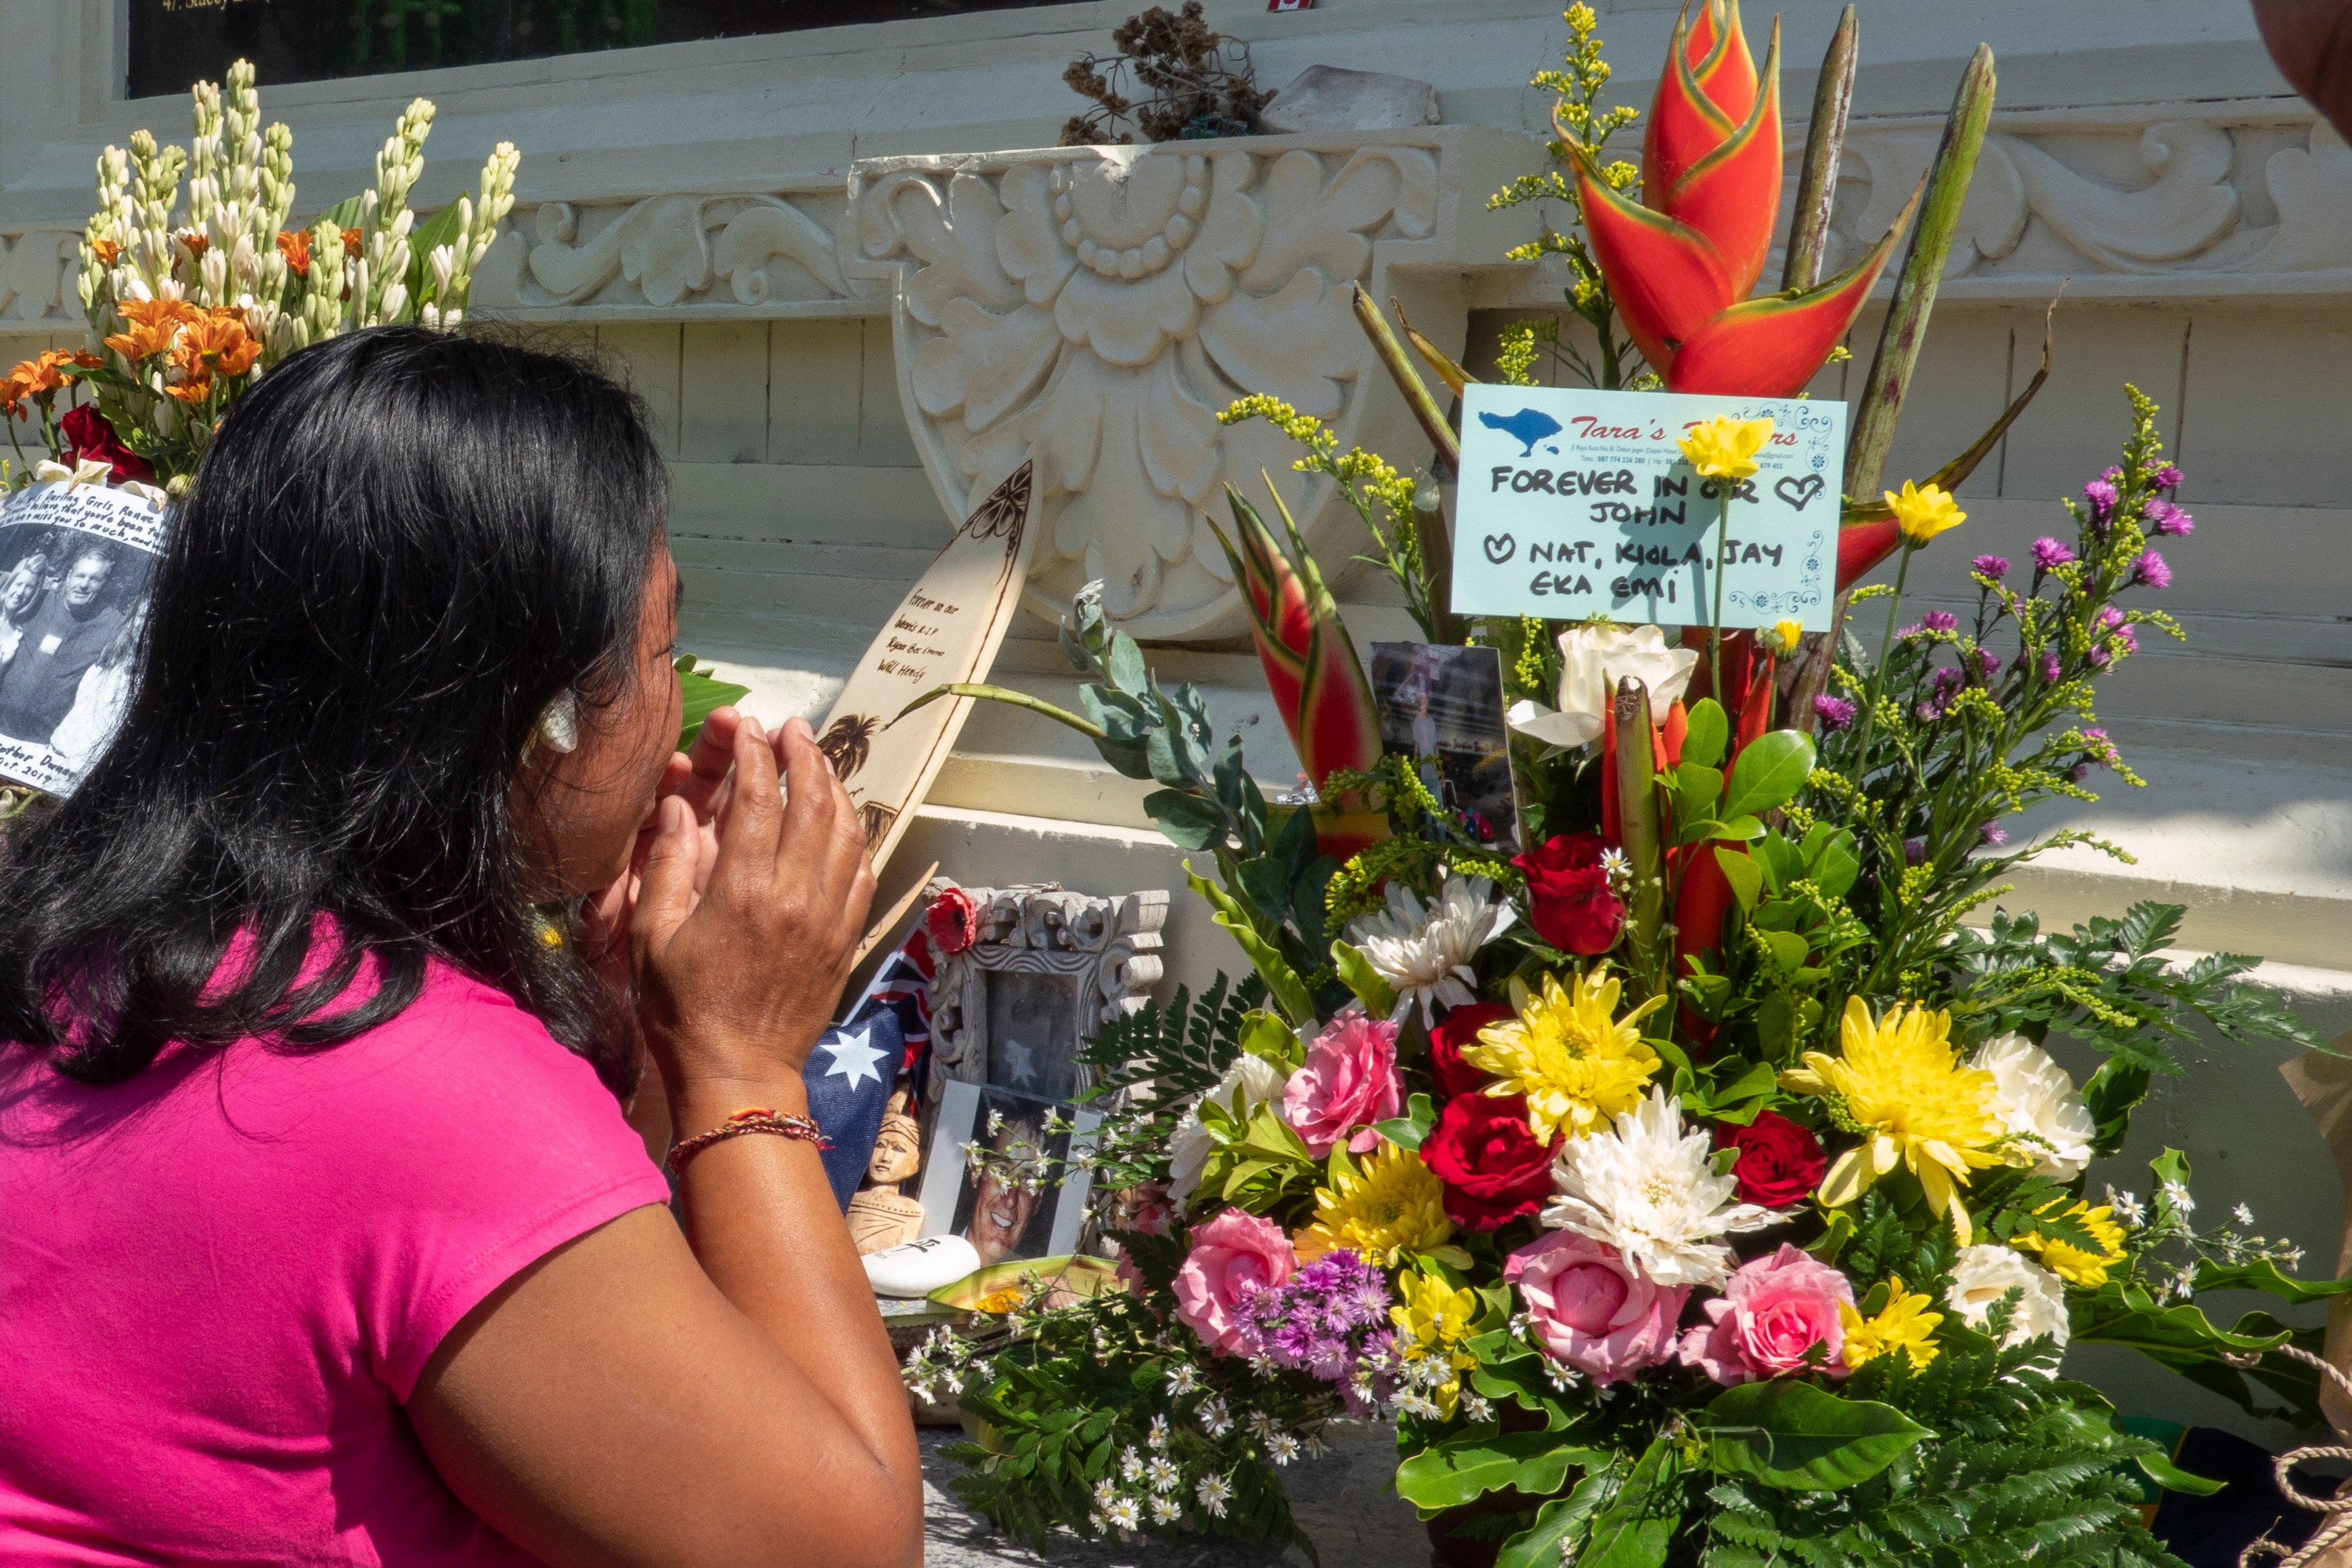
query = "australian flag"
x=857 y=1064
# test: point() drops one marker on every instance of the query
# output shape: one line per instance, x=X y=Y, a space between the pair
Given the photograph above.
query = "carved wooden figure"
x=881 y=1215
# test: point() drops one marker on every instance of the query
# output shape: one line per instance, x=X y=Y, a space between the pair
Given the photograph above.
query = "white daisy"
x=2127 y=1208
x=1424 y=950
x=1212 y=1491
x=1261 y=1426
x=1650 y=1189
x=2176 y=1194
x=1163 y=1475
x=1283 y=1448
x=1106 y=1493
x=1256 y=1081
x=1983 y=1275
x=1157 y=1437
x=1124 y=1514
x=1477 y=1407
x=1131 y=1464
x=2243 y=1216
x=1166 y=1511
x=1182 y=1380
x=2037 y=1102
x=1216 y=1420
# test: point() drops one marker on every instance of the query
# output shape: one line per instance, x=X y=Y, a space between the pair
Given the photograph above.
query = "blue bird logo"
x=1527 y=427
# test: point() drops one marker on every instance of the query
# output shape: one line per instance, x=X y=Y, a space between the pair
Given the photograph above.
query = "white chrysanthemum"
x=1190 y=1145
x=2035 y=1098
x=1649 y=1189
x=1985 y=1274
x=1424 y=950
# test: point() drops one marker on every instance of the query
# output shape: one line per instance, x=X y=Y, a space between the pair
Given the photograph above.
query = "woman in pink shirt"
x=322 y=1237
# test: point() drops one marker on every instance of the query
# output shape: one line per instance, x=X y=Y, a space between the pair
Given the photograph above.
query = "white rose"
x=1593 y=660
x=1189 y=1147
x=2032 y=1095
x=1985 y=1274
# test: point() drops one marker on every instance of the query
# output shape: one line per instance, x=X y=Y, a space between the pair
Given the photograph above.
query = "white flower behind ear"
x=2036 y=1100
x=1424 y=950
x=1984 y=1274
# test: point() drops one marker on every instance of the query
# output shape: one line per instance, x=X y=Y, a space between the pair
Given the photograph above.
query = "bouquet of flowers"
x=1696 y=1186
x=189 y=300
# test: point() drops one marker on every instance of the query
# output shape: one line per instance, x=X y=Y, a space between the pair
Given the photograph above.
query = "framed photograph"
x=76 y=564
x=1034 y=1207
x=1442 y=709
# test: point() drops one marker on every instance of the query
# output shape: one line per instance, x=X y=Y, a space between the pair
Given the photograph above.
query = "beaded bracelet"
x=756 y=1119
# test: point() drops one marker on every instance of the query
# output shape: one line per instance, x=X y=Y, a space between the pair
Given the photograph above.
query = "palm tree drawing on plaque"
x=848 y=741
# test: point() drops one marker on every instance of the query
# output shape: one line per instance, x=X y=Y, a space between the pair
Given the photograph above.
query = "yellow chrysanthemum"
x=1726 y=448
x=1912 y=1099
x=2071 y=1260
x=1923 y=511
x=1904 y=1323
x=1390 y=1204
x=1578 y=1064
x=1431 y=1324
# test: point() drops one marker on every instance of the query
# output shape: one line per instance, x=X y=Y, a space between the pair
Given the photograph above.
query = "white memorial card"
x=75 y=562
x=1576 y=503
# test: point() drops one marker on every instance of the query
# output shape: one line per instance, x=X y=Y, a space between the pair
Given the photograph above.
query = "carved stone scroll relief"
x=1050 y=967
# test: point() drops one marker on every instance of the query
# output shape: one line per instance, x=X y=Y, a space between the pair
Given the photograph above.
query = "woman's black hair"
x=402 y=547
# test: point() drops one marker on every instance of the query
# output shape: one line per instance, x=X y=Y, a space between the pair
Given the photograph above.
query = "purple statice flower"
x=2150 y=570
x=1835 y=712
x=1941 y=691
x=1993 y=833
x=2164 y=517
x=2049 y=553
x=1313 y=1320
x=1914 y=850
x=1940 y=621
x=2167 y=478
x=1991 y=566
x=2099 y=500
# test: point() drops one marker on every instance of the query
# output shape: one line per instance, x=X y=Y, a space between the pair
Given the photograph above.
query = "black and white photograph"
x=1021 y=1202
x=1442 y=709
x=74 y=566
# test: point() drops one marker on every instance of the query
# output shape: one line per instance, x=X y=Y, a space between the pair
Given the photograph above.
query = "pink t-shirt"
x=220 y=1279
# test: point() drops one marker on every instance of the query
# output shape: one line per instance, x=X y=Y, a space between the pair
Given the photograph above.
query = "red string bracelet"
x=755 y=1119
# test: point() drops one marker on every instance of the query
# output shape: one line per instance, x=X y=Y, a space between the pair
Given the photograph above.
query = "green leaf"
x=1264 y=1034
x=1705 y=734
x=1770 y=770
x=703 y=692
x=440 y=229
x=1783 y=862
x=1638 y=1526
x=1740 y=830
x=1411 y=1129
x=2172 y=1478
x=1357 y=975
x=1789 y=949
x=2262 y=1274
x=1282 y=981
x=1696 y=789
x=1461 y=1469
x=1557 y=1524
x=1189 y=822
x=1746 y=877
x=1798 y=1437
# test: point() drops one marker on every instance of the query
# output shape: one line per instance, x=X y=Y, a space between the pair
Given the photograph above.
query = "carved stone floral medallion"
x=1096 y=308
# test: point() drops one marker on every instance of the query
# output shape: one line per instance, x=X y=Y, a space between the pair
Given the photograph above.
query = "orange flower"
x=141 y=342
x=156 y=312
x=194 y=390
x=214 y=343
x=106 y=250
x=351 y=238
x=196 y=241
x=39 y=377
x=295 y=245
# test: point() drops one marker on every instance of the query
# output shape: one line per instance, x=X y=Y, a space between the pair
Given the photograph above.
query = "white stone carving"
x=676 y=254
x=1107 y=945
x=1097 y=306
x=2210 y=203
x=38 y=269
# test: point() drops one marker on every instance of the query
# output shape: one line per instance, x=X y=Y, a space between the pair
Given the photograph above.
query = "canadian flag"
x=1290 y=5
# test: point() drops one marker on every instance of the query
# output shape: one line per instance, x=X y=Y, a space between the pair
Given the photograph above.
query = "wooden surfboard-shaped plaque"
x=946 y=630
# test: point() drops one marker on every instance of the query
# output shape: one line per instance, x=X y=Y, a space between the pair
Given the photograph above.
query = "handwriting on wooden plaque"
x=947 y=630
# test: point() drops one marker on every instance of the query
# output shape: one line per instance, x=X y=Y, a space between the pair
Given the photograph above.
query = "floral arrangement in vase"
x=190 y=294
x=1697 y=1186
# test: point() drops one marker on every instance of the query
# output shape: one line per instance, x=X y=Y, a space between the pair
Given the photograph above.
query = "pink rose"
x=1349 y=1081
x=1593 y=1309
x=1770 y=1318
x=1233 y=1256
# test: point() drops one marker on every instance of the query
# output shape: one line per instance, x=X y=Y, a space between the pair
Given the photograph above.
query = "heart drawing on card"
x=1500 y=547
x=1797 y=492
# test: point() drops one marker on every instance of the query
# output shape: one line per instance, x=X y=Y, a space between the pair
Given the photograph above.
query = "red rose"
x=953 y=920
x=1781 y=1163
x=1568 y=901
x=88 y=434
x=1493 y=1169
x=1457 y=1032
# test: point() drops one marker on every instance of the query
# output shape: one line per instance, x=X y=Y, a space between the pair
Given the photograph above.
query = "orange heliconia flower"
x=294 y=244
